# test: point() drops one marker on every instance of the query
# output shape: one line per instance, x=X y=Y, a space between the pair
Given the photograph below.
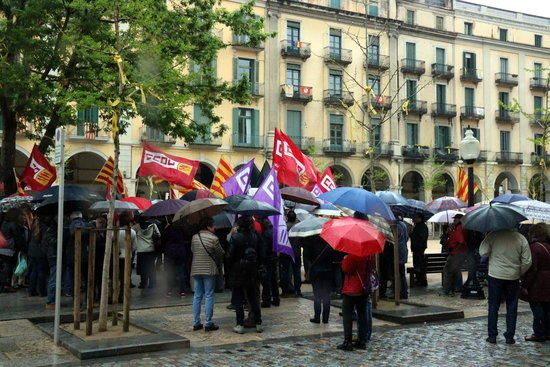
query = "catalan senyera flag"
x=20 y=191
x=105 y=176
x=223 y=172
x=462 y=192
x=39 y=173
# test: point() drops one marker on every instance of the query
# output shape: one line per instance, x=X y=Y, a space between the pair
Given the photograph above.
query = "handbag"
x=21 y=267
x=220 y=279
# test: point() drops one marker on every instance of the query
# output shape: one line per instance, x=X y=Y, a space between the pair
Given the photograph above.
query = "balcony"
x=87 y=131
x=243 y=43
x=339 y=147
x=445 y=155
x=506 y=80
x=299 y=93
x=415 y=153
x=445 y=110
x=338 y=98
x=470 y=75
x=443 y=71
x=338 y=56
x=538 y=119
x=206 y=142
x=155 y=135
x=472 y=113
x=377 y=62
x=295 y=49
x=506 y=117
x=381 y=150
x=483 y=156
x=509 y=158
x=303 y=142
x=537 y=158
x=246 y=141
x=412 y=66
x=416 y=107
x=257 y=90
x=538 y=84
x=379 y=103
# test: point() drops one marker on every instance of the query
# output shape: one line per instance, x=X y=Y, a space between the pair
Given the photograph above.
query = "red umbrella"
x=141 y=203
x=353 y=236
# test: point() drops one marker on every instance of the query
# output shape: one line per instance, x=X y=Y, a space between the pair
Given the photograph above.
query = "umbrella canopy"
x=120 y=206
x=445 y=216
x=299 y=195
x=71 y=193
x=445 y=203
x=391 y=198
x=309 y=227
x=141 y=203
x=509 y=198
x=200 y=208
x=197 y=194
x=359 y=200
x=353 y=236
x=328 y=210
x=382 y=226
x=234 y=200
x=223 y=220
x=249 y=206
x=412 y=208
x=14 y=202
x=164 y=207
x=493 y=217
x=534 y=209
x=302 y=214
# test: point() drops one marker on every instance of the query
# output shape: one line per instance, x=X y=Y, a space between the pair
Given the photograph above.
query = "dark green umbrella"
x=493 y=217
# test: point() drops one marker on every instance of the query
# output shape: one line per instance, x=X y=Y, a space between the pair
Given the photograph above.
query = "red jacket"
x=537 y=279
x=355 y=271
x=457 y=241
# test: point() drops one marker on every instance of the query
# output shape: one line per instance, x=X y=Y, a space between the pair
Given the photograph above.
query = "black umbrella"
x=223 y=220
x=493 y=217
x=250 y=206
x=72 y=193
x=234 y=200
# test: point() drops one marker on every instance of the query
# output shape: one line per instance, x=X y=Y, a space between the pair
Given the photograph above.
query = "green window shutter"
x=256 y=81
x=256 y=127
x=235 y=121
x=474 y=61
x=235 y=68
x=94 y=112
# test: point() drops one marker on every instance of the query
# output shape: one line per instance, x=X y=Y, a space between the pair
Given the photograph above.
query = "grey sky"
x=535 y=7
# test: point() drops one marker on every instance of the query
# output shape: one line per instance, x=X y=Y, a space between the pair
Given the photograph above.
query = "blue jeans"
x=510 y=290
x=68 y=279
x=51 y=281
x=541 y=318
x=204 y=287
x=369 y=318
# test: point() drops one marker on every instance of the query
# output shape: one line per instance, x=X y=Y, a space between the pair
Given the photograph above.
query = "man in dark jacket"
x=49 y=243
x=419 y=244
x=270 y=286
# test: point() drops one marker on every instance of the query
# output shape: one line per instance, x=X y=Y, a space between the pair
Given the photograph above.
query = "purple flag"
x=269 y=193
x=239 y=183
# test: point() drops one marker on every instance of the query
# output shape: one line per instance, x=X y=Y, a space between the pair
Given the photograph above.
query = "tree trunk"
x=47 y=139
x=8 y=148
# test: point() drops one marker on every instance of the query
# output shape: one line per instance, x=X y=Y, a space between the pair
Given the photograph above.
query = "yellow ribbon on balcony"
x=405 y=107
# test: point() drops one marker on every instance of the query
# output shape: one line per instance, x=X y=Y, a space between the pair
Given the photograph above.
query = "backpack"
x=249 y=260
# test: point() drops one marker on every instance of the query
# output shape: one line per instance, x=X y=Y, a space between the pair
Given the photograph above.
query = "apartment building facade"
x=402 y=79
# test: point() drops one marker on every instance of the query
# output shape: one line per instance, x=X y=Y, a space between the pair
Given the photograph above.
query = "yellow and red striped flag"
x=223 y=172
x=462 y=191
x=20 y=191
x=105 y=176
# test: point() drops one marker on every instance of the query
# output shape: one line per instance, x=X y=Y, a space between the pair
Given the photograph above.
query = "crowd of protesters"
x=204 y=260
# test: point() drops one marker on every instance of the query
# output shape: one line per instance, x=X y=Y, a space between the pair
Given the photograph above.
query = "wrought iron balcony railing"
x=377 y=62
x=338 y=98
x=445 y=155
x=296 y=49
x=443 y=71
x=472 y=113
x=296 y=93
x=506 y=79
x=470 y=75
x=340 y=147
x=246 y=141
x=509 y=157
x=538 y=84
x=339 y=56
x=413 y=66
x=443 y=110
x=415 y=152
x=507 y=117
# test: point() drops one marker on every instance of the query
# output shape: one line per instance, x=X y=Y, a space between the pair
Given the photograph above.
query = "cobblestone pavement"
x=445 y=344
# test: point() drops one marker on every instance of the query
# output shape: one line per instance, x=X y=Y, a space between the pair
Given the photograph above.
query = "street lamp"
x=469 y=152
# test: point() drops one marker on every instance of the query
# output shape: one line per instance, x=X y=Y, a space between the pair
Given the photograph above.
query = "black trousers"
x=359 y=304
x=419 y=265
x=239 y=296
x=270 y=284
x=146 y=268
x=322 y=286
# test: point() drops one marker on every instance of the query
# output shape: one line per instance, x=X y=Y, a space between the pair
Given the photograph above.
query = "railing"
x=506 y=79
x=257 y=89
x=87 y=131
x=446 y=155
x=443 y=110
x=339 y=146
x=483 y=156
x=246 y=141
x=538 y=84
x=381 y=151
x=241 y=41
x=338 y=55
x=506 y=116
x=296 y=49
x=470 y=75
x=336 y=97
x=378 y=102
x=206 y=141
x=417 y=153
x=443 y=71
x=299 y=93
x=509 y=157
x=472 y=112
x=155 y=135
x=413 y=66
x=378 y=62
x=415 y=107
x=303 y=142
x=539 y=119
x=537 y=158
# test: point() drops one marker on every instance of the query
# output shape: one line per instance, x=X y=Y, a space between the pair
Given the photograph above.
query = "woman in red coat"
x=355 y=296
x=536 y=282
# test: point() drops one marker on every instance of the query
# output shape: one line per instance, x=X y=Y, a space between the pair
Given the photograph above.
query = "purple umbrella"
x=166 y=207
x=445 y=203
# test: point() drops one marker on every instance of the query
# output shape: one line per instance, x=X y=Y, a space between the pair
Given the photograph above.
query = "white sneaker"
x=239 y=329
x=259 y=329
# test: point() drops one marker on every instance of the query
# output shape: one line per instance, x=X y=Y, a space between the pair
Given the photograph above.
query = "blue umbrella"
x=493 y=217
x=509 y=198
x=391 y=198
x=360 y=200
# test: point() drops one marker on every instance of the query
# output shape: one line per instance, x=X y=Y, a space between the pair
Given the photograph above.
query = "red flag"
x=293 y=167
x=305 y=90
x=327 y=181
x=173 y=169
x=38 y=174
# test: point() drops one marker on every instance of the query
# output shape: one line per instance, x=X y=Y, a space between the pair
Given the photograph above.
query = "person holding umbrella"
x=419 y=244
x=270 y=286
x=458 y=248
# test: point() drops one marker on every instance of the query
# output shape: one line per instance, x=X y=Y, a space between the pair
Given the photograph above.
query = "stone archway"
x=412 y=186
x=82 y=169
x=205 y=174
x=447 y=187
x=341 y=175
x=536 y=190
x=380 y=177
x=505 y=183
